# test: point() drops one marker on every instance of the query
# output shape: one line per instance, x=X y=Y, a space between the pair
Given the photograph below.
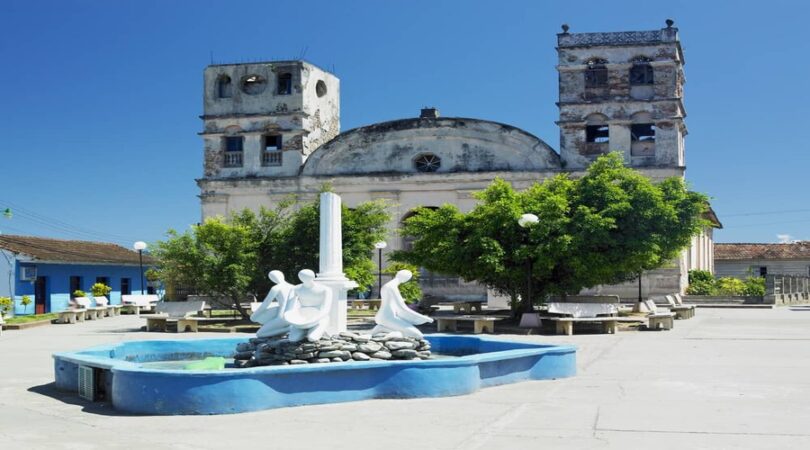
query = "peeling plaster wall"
x=303 y=118
x=464 y=145
x=618 y=101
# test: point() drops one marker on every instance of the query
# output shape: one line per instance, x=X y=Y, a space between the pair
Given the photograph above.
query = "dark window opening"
x=271 y=156
x=224 y=87
x=642 y=74
x=596 y=134
x=234 y=143
x=126 y=287
x=642 y=132
x=285 y=84
x=760 y=271
x=103 y=280
x=320 y=88
x=253 y=84
x=75 y=284
x=427 y=162
x=596 y=75
x=150 y=290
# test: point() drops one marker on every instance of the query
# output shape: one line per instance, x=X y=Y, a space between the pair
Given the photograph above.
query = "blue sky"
x=99 y=115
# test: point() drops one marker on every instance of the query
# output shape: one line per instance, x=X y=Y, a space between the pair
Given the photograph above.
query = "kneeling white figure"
x=394 y=315
x=308 y=308
x=271 y=312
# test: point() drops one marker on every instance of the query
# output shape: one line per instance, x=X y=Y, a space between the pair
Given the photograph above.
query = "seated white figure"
x=308 y=308
x=271 y=312
x=394 y=315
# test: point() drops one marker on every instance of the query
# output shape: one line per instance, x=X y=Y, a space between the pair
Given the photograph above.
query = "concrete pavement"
x=725 y=379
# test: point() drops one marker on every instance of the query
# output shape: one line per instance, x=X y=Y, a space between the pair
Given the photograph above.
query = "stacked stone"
x=345 y=347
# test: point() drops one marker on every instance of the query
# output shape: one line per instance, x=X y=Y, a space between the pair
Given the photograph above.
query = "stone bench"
x=658 y=319
x=371 y=304
x=565 y=325
x=480 y=323
x=179 y=313
x=71 y=316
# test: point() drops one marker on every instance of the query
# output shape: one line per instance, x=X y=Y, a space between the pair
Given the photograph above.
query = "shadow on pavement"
x=72 y=398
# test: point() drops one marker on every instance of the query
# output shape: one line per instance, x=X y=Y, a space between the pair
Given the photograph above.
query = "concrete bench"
x=137 y=303
x=176 y=312
x=565 y=314
x=681 y=311
x=71 y=316
x=371 y=304
x=480 y=323
x=658 y=318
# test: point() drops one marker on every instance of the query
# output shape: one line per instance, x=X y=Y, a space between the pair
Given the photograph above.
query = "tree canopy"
x=603 y=228
x=230 y=257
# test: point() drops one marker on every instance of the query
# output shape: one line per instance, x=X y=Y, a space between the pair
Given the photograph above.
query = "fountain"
x=319 y=361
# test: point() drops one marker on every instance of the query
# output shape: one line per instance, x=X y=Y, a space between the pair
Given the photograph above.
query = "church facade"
x=272 y=129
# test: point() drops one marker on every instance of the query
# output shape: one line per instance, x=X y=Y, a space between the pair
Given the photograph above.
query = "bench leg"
x=72 y=318
x=441 y=325
x=478 y=327
x=565 y=328
x=609 y=327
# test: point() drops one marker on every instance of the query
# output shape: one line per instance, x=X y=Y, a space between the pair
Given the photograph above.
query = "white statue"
x=308 y=308
x=394 y=314
x=271 y=312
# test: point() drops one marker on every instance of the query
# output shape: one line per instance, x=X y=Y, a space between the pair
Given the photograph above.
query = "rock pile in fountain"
x=344 y=347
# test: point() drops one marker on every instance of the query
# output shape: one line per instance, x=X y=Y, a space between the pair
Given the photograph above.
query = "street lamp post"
x=526 y=221
x=140 y=246
x=380 y=246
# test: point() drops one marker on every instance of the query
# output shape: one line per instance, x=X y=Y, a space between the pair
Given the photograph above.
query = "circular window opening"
x=253 y=84
x=427 y=162
x=320 y=88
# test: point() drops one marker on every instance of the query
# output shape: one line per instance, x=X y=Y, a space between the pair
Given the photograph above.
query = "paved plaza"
x=733 y=378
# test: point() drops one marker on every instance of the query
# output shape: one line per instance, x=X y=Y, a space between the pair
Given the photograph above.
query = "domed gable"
x=441 y=145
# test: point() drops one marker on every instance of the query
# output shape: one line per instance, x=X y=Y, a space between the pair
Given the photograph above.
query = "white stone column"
x=331 y=261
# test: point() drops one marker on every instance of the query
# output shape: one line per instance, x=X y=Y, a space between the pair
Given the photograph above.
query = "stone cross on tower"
x=330 y=272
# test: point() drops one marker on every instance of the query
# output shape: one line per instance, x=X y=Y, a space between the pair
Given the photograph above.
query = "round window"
x=320 y=88
x=427 y=162
x=253 y=84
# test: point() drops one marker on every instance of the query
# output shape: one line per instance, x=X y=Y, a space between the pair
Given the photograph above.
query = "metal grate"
x=87 y=383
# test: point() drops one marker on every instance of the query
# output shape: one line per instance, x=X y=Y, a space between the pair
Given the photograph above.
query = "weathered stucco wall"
x=463 y=145
x=742 y=268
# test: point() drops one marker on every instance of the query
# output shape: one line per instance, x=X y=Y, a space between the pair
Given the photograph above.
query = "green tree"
x=410 y=290
x=25 y=301
x=603 y=228
x=214 y=258
x=230 y=258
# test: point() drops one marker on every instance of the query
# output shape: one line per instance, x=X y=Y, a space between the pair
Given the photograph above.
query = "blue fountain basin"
x=134 y=387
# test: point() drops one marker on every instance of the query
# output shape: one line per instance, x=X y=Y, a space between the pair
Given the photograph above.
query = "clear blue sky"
x=100 y=105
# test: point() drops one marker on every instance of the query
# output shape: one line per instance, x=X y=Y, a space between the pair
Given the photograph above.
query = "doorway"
x=41 y=295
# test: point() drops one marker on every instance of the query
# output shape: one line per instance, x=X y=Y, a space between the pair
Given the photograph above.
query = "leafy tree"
x=214 y=258
x=230 y=258
x=410 y=290
x=5 y=305
x=603 y=228
x=25 y=301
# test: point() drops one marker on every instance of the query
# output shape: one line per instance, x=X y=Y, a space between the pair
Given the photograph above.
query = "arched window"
x=596 y=74
x=642 y=73
x=224 y=87
x=642 y=136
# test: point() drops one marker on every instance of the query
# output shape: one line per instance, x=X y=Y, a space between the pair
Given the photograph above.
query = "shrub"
x=701 y=282
x=25 y=301
x=730 y=286
x=78 y=293
x=754 y=286
x=100 y=290
x=5 y=305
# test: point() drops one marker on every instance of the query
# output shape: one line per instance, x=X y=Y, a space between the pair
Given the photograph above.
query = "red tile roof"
x=47 y=249
x=798 y=250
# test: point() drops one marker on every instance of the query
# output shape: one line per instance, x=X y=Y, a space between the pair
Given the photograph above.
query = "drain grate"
x=87 y=383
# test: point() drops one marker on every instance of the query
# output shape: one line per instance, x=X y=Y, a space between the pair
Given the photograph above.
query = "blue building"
x=50 y=270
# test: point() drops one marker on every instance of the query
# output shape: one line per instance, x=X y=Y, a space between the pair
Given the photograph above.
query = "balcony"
x=233 y=159
x=270 y=159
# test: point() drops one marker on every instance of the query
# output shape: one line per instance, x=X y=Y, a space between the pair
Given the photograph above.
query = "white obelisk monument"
x=330 y=272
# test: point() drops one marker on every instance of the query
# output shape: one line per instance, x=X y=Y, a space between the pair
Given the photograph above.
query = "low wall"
x=723 y=299
x=786 y=289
